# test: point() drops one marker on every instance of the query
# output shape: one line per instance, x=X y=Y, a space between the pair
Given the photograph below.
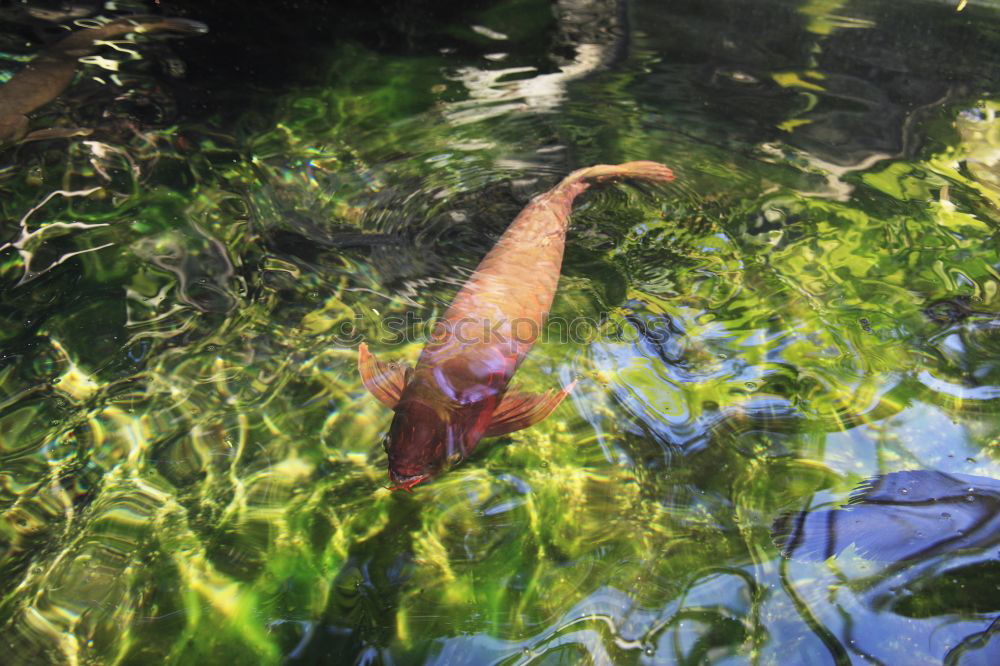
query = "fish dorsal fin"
x=385 y=381
x=519 y=410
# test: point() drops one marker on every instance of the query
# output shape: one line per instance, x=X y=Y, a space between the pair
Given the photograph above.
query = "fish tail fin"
x=640 y=170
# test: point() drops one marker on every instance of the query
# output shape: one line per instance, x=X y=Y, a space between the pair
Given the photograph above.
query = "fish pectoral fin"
x=385 y=381
x=520 y=410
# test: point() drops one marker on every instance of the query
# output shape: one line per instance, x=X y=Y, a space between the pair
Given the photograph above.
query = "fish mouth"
x=406 y=482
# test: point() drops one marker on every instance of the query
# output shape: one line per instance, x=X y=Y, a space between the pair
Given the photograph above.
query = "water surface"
x=191 y=471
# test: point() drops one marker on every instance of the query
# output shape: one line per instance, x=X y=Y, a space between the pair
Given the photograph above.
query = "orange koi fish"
x=45 y=77
x=458 y=392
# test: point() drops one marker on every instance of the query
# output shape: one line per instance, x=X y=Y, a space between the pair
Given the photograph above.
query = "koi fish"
x=909 y=515
x=45 y=77
x=458 y=392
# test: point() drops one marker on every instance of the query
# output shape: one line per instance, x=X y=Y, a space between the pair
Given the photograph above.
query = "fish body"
x=47 y=75
x=458 y=391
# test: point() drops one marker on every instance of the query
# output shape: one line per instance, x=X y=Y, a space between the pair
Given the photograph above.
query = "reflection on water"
x=899 y=516
x=936 y=530
x=190 y=470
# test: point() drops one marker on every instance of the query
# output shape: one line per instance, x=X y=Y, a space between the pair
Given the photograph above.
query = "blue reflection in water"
x=936 y=531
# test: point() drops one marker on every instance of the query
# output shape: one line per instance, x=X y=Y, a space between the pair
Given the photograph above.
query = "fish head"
x=416 y=443
x=424 y=439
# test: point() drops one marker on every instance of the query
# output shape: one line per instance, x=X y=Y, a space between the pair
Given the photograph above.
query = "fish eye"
x=385 y=443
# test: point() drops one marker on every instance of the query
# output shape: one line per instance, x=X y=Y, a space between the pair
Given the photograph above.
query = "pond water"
x=192 y=473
